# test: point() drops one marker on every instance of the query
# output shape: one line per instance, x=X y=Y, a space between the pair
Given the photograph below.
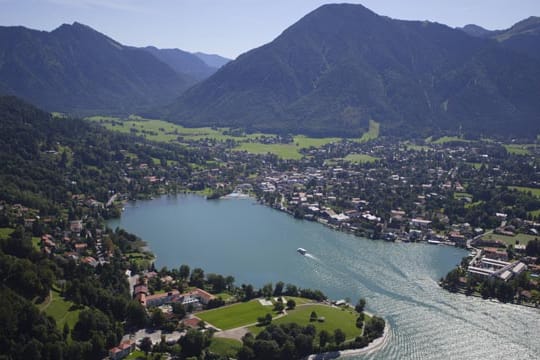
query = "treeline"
x=28 y=277
x=292 y=341
x=45 y=159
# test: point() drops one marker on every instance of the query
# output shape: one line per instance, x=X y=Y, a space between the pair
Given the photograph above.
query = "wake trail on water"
x=308 y=255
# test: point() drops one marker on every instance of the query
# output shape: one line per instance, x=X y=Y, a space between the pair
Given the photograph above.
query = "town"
x=476 y=194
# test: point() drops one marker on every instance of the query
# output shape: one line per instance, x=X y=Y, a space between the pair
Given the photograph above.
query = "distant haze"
x=229 y=28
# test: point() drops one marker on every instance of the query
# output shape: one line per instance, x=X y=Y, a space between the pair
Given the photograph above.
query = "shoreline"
x=373 y=346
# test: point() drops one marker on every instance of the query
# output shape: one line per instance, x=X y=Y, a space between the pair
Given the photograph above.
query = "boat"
x=302 y=251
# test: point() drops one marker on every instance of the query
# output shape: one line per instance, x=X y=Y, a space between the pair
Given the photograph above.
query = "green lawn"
x=415 y=147
x=461 y=195
x=61 y=310
x=446 y=139
x=511 y=240
x=335 y=318
x=137 y=354
x=372 y=133
x=225 y=347
x=240 y=314
x=224 y=296
x=534 y=191
x=475 y=165
x=518 y=149
x=304 y=142
x=535 y=213
x=284 y=151
x=5 y=232
x=360 y=158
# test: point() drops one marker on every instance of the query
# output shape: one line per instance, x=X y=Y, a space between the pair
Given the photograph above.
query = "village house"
x=121 y=351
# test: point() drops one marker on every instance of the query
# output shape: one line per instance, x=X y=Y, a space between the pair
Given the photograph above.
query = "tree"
x=249 y=293
x=313 y=316
x=291 y=304
x=278 y=307
x=324 y=338
x=179 y=310
x=304 y=344
x=136 y=315
x=339 y=336
x=360 y=305
x=267 y=290
x=157 y=318
x=146 y=345
x=65 y=332
x=374 y=328
x=194 y=342
x=184 y=272
x=197 y=278
x=278 y=289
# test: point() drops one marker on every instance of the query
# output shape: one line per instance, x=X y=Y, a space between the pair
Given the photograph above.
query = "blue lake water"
x=257 y=245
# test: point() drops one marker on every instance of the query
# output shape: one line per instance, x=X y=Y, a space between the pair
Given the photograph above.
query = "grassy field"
x=137 y=354
x=360 y=158
x=141 y=259
x=522 y=239
x=415 y=147
x=475 y=165
x=518 y=149
x=241 y=314
x=335 y=318
x=446 y=139
x=461 y=195
x=535 y=213
x=284 y=151
x=5 y=232
x=372 y=133
x=61 y=310
x=225 y=347
x=534 y=191
x=225 y=296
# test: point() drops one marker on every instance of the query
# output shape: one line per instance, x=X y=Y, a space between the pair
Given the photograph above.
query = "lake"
x=257 y=245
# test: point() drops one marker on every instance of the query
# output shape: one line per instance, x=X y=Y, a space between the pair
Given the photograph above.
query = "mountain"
x=478 y=31
x=213 y=60
x=183 y=62
x=522 y=37
x=76 y=69
x=342 y=65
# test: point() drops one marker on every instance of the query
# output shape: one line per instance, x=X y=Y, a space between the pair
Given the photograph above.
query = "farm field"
x=162 y=131
x=522 y=239
x=360 y=158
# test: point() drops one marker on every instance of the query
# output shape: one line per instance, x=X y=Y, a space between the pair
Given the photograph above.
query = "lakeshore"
x=399 y=280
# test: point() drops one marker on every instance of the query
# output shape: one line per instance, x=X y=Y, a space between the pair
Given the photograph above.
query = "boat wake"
x=311 y=256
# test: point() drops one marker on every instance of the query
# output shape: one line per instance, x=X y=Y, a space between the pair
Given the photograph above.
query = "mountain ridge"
x=342 y=65
x=76 y=69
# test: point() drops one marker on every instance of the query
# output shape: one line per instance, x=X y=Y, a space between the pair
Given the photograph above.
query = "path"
x=49 y=299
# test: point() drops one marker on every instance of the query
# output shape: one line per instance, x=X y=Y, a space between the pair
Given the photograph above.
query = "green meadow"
x=233 y=316
x=334 y=318
x=533 y=191
x=61 y=310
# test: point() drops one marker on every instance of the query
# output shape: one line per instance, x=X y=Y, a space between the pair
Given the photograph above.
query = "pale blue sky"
x=231 y=27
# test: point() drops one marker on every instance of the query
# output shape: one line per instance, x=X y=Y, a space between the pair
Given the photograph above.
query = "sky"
x=232 y=27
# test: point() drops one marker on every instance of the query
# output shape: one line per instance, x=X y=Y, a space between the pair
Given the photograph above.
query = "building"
x=121 y=351
x=162 y=299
